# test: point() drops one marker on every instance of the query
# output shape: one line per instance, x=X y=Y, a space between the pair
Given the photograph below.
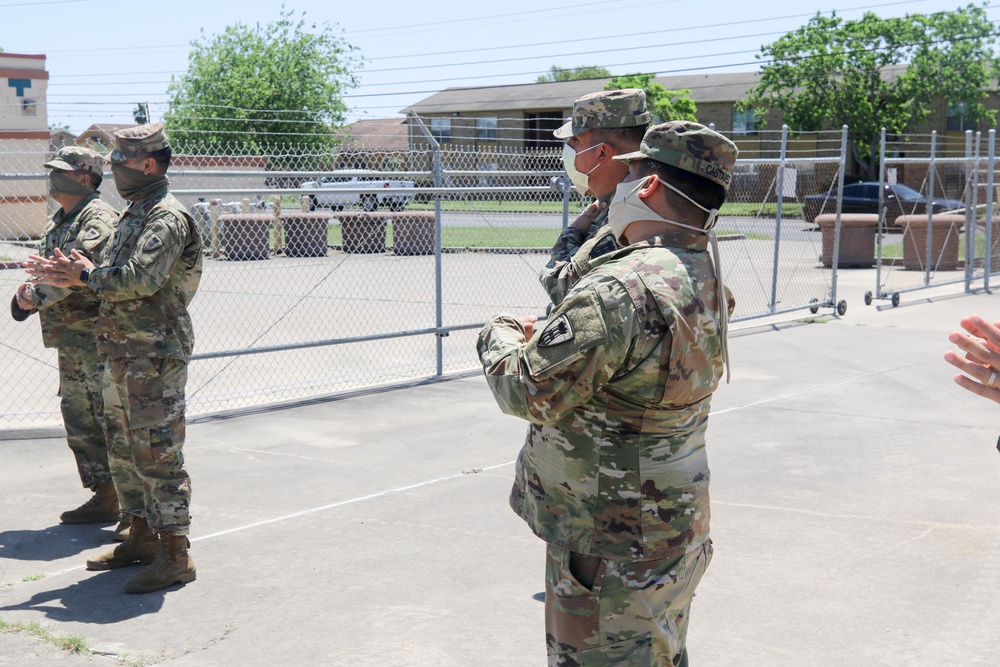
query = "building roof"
x=104 y=132
x=716 y=87
x=374 y=134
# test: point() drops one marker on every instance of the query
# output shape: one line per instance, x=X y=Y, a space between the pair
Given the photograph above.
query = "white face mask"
x=580 y=180
x=626 y=207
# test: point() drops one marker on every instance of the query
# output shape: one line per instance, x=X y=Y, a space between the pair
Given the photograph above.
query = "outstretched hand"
x=981 y=361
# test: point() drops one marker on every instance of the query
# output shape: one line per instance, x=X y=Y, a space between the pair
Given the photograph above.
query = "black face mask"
x=133 y=185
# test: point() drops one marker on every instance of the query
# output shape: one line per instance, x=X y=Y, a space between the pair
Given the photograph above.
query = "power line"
x=574 y=7
x=637 y=34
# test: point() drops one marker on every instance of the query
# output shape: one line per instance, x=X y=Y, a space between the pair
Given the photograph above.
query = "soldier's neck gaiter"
x=134 y=185
x=60 y=183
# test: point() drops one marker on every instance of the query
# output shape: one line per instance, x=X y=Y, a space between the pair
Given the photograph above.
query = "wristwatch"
x=85 y=276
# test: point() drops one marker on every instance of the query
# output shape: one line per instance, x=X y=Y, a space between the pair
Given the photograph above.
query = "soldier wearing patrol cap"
x=68 y=319
x=150 y=273
x=602 y=125
x=617 y=386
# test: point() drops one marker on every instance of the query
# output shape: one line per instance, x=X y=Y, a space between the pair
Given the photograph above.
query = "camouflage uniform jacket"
x=553 y=276
x=617 y=387
x=151 y=273
x=69 y=315
x=559 y=279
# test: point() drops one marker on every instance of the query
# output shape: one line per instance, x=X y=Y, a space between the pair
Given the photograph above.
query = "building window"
x=486 y=128
x=957 y=119
x=441 y=129
x=744 y=121
x=30 y=107
x=539 y=128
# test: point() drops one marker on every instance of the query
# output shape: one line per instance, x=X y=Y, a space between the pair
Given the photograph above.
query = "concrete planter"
x=945 y=229
x=246 y=236
x=857 y=239
x=363 y=232
x=305 y=233
x=413 y=233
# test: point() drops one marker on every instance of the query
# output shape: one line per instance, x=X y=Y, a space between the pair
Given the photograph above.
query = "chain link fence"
x=936 y=195
x=325 y=274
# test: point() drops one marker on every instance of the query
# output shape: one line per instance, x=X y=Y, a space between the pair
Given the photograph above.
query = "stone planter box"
x=857 y=239
x=363 y=232
x=945 y=231
x=413 y=233
x=245 y=236
x=305 y=233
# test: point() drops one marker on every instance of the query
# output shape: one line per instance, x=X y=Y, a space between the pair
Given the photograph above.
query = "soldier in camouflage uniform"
x=617 y=386
x=149 y=276
x=69 y=318
x=603 y=125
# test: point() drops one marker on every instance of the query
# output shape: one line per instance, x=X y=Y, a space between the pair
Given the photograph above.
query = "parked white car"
x=369 y=201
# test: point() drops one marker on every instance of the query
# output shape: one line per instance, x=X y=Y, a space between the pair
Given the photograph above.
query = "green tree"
x=252 y=89
x=663 y=104
x=833 y=72
x=573 y=73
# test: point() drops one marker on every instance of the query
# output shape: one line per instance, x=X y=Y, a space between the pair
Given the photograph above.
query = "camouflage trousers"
x=633 y=614
x=80 y=371
x=144 y=414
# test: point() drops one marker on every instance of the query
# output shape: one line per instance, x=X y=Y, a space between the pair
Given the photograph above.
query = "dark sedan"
x=863 y=198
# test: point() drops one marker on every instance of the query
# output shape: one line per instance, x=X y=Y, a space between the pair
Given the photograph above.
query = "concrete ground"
x=854 y=492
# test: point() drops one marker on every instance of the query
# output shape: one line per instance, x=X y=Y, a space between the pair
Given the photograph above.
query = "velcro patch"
x=556 y=332
x=152 y=244
x=92 y=234
x=604 y=246
x=578 y=327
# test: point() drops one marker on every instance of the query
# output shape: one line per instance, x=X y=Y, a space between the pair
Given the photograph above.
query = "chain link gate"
x=773 y=254
x=935 y=198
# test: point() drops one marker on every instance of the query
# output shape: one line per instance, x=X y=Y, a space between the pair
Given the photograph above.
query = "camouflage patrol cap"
x=137 y=140
x=688 y=146
x=607 y=109
x=77 y=158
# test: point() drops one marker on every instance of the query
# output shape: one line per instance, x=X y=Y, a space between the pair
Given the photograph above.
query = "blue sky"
x=103 y=56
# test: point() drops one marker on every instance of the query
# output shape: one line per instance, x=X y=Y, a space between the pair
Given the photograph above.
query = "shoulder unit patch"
x=152 y=244
x=556 y=332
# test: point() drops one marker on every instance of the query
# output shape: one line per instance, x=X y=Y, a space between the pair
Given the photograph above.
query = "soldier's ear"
x=148 y=166
x=650 y=187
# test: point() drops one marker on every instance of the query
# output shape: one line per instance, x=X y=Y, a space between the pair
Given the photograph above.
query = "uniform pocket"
x=153 y=391
x=634 y=652
x=572 y=608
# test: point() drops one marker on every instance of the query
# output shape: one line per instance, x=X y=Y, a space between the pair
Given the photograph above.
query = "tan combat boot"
x=173 y=565
x=140 y=547
x=103 y=506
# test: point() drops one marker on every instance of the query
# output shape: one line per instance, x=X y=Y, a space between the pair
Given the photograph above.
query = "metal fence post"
x=565 y=195
x=840 y=208
x=930 y=209
x=880 y=227
x=971 y=200
x=777 y=219
x=991 y=153
x=438 y=298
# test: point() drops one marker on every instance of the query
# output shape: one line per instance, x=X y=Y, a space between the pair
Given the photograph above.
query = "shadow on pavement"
x=52 y=543
x=97 y=599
